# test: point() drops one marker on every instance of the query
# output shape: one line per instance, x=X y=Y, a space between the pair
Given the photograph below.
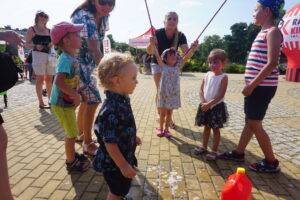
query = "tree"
x=236 y=43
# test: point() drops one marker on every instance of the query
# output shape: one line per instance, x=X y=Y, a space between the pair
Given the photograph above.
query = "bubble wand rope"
x=207 y=25
x=149 y=18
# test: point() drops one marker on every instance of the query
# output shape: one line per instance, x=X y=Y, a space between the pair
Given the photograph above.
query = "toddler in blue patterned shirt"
x=115 y=125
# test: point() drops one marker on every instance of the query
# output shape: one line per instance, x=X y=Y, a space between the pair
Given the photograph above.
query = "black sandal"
x=81 y=157
x=77 y=165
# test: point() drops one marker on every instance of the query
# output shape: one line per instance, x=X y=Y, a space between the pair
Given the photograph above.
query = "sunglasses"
x=105 y=2
x=42 y=14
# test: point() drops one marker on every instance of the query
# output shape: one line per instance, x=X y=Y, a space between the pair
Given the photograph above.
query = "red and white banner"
x=106 y=46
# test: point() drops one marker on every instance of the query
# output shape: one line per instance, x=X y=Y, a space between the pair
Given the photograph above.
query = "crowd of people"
x=75 y=86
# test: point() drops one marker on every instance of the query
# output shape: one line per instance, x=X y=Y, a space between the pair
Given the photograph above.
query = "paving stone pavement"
x=167 y=169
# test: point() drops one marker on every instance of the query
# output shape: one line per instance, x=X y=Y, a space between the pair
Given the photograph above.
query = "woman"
x=94 y=15
x=165 y=38
x=38 y=39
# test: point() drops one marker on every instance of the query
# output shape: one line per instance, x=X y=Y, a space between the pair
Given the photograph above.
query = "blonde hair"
x=220 y=54
x=111 y=65
x=176 y=32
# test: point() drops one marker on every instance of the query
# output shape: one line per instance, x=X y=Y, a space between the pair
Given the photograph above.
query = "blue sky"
x=129 y=18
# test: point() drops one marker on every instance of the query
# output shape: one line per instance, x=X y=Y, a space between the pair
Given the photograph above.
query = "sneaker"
x=265 y=167
x=232 y=155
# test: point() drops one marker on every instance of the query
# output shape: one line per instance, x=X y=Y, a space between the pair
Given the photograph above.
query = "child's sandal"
x=212 y=155
x=159 y=132
x=77 y=165
x=172 y=125
x=81 y=157
x=199 y=150
x=168 y=133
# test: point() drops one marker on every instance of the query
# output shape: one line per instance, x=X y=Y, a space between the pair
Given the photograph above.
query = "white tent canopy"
x=142 y=41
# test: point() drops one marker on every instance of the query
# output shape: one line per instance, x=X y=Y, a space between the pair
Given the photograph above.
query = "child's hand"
x=153 y=40
x=138 y=140
x=247 y=91
x=128 y=171
x=205 y=107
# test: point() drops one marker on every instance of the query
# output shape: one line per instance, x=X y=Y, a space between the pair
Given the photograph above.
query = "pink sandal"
x=168 y=133
x=159 y=132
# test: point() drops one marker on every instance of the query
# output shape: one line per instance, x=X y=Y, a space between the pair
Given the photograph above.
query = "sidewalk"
x=167 y=169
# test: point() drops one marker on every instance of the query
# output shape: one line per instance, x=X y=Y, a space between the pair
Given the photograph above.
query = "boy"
x=115 y=125
x=64 y=97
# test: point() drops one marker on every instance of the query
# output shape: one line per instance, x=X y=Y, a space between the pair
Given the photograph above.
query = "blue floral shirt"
x=115 y=124
x=89 y=31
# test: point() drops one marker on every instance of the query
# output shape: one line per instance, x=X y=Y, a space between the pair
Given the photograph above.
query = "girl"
x=166 y=37
x=261 y=77
x=212 y=111
x=169 y=87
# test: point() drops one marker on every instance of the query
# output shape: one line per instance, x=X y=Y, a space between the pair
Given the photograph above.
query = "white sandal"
x=199 y=150
x=212 y=155
x=85 y=149
x=79 y=138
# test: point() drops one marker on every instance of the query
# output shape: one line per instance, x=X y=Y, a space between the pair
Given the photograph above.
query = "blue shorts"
x=256 y=105
x=155 y=68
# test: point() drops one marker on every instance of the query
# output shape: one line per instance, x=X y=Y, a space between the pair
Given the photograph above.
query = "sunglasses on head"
x=106 y=2
x=42 y=14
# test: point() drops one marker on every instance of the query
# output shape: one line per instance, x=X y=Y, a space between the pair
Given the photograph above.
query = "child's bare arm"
x=201 y=92
x=274 y=43
x=189 y=54
x=119 y=159
x=221 y=95
x=60 y=83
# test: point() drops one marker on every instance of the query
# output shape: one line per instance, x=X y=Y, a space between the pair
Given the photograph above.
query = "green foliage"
x=2 y=47
x=234 y=68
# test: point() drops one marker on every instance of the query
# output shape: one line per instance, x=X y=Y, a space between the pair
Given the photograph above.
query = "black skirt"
x=1 y=120
x=213 y=118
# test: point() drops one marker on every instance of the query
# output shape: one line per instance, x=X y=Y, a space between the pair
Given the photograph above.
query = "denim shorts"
x=155 y=68
x=256 y=105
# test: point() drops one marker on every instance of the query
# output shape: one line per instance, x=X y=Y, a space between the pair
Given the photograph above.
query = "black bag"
x=8 y=72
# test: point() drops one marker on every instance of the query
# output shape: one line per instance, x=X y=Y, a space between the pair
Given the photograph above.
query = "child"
x=169 y=87
x=64 y=97
x=212 y=111
x=115 y=125
x=261 y=78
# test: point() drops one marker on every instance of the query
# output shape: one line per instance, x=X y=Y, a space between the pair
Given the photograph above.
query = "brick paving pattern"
x=167 y=169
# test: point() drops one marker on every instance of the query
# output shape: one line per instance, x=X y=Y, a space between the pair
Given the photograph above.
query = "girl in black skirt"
x=212 y=112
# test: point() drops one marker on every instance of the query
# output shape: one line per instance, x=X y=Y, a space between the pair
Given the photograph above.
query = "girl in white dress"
x=212 y=112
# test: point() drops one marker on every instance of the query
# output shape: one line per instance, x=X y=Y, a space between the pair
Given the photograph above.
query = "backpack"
x=8 y=72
